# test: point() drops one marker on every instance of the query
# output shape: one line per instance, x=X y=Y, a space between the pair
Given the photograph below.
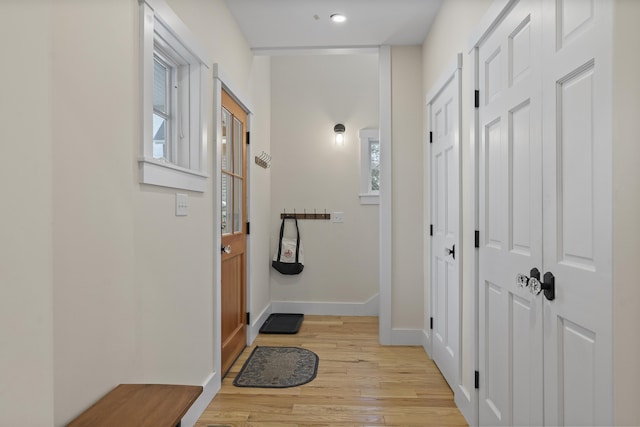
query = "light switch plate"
x=337 y=216
x=181 y=204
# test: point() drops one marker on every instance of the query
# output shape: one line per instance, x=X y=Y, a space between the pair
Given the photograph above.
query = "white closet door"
x=510 y=215
x=577 y=211
x=445 y=244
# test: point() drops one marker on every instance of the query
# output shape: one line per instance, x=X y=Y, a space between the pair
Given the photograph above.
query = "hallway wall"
x=260 y=189
x=102 y=283
x=626 y=211
x=94 y=104
x=407 y=292
x=26 y=279
x=310 y=94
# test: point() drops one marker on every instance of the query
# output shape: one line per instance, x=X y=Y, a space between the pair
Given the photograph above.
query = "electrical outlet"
x=337 y=216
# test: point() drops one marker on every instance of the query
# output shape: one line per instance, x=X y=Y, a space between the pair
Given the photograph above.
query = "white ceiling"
x=304 y=24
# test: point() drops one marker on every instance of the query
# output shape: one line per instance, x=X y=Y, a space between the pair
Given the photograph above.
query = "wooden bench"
x=138 y=405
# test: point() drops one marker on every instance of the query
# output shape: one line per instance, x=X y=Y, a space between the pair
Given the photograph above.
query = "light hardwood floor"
x=359 y=383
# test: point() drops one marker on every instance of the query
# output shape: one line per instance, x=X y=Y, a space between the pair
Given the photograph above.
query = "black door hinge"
x=477 y=380
x=477 y=239
x=431 y=323
x=248 y=137
x=477 y=98
x=248 y=318
x=430 y=229
x=248 y=228
x=430 y=137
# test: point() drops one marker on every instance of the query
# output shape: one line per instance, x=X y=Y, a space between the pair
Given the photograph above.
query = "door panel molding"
x=509 y=215
x=571 y=104
x=577 y=165
x=444 y=160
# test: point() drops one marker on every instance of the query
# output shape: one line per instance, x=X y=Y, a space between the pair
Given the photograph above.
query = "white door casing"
x=443 y=104
x=544 y=125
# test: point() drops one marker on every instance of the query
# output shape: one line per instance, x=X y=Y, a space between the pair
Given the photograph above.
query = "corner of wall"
x=626 y=211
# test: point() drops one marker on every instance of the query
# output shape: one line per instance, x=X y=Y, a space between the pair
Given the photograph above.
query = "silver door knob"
x=226 y=249
x=522 y=280
x=535 y=287
x=548 y=285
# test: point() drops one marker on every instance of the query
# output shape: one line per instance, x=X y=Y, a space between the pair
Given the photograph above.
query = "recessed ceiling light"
x=338 y=17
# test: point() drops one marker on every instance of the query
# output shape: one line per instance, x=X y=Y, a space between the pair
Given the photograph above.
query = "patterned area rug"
x=278 y=367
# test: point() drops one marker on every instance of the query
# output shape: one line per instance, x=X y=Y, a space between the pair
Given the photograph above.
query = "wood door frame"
x=222 y=81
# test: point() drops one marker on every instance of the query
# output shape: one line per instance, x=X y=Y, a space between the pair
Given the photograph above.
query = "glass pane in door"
x=227 y=189
x=237 y=146
x=237 y=205
x=226 y=140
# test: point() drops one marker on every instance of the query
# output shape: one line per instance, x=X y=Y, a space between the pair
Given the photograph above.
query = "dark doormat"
x=282 y=323
x=278 y=367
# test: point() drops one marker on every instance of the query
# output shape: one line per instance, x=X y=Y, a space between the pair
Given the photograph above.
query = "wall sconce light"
x=339 y=130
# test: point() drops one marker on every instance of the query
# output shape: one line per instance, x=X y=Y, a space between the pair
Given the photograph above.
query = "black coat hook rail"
x=306 y=215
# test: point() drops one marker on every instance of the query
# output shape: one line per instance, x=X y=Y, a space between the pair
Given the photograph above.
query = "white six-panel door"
x=577 y=190
x=544 y=186
x=445 y=211
x=510 y=213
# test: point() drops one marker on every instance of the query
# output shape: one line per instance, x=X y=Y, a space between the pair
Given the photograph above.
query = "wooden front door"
x=233 y=260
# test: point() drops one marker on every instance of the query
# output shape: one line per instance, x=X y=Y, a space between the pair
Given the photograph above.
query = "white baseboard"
x=367 y=308
x=406 y=337
x=254 y=328
x=426 y=343
x=210 y=387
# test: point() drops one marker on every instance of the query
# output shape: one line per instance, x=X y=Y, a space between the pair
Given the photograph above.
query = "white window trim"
x=157 y=17
x=367 y=197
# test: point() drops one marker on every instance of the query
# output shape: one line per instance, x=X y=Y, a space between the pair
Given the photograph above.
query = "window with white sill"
x=369 y=166
x=174 y=133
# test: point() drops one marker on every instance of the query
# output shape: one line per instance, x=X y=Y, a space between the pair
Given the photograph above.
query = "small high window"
x=173 y=112
x=369 y=166
x=374 y=166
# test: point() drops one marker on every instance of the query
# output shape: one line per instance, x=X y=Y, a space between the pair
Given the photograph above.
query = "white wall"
x=260 y=190
x=626 y=212
x=407 y=291
x=310 y=94
x=94 y=125
x=26 y=280
x=102 y=284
